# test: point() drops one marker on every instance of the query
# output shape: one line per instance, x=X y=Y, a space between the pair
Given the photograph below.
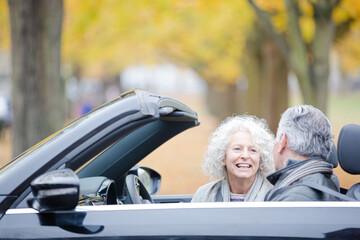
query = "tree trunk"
x=265 y=94
x=312 y=65
x=298 y=56
x=221 y=100
x=267 y=71
x=321 y=46
x=37 y=89
x=274 y=87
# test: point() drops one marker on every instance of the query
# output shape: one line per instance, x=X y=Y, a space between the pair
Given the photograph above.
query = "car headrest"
x=333 y=159
x=349 y=148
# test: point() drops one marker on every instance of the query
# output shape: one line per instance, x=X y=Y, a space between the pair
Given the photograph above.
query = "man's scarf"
x=311 y=167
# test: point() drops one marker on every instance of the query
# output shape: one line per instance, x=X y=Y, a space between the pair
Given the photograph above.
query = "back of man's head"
x=308 y=131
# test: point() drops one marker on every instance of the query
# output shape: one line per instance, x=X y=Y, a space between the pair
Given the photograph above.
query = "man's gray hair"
x=220 y=139
x=308 y=131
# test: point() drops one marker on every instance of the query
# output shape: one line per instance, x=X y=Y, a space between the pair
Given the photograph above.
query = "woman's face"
x=242 y=158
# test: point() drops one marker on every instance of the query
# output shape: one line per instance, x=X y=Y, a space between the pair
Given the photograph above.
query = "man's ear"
x=283 y=143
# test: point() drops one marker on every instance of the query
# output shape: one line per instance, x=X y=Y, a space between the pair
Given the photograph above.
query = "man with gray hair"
x=303 y=142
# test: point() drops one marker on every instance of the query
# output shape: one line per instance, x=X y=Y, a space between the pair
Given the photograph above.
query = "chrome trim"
x=201 y=206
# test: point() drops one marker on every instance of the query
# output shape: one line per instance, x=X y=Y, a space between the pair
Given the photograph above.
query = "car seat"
x=349 y=155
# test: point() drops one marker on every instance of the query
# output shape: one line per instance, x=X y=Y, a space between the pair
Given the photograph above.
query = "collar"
x=292 y=161
x=291 y=164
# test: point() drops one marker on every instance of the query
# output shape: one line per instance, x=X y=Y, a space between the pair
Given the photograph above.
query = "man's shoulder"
x=293 y=193
x=319 y=178
x=299 y=191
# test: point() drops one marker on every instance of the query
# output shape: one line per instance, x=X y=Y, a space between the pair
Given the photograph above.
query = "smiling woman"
x=238 y=158
x=241 y=162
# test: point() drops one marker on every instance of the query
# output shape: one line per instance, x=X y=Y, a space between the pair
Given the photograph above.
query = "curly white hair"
x=220 y=139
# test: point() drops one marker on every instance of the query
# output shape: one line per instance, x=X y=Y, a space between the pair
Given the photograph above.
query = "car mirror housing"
x=55 y=190
x=150 y=178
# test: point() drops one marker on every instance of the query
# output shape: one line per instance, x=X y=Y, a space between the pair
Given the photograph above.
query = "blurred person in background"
x=239 y=157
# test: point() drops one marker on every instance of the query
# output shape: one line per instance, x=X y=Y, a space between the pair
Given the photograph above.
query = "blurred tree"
x=4 y=26
x=347 y=19
x=102 y=38
x=207 y=36
x=310 y=31
x=191 y=34
x=348 y=49
x=244 y=69
x=228 y=49
x=267 y=71
x=210 y=39
x=37 y=89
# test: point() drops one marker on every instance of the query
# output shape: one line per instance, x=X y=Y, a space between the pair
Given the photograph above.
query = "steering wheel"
x=136 y=190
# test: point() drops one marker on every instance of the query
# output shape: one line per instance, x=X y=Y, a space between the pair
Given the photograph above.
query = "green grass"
x=344 y=109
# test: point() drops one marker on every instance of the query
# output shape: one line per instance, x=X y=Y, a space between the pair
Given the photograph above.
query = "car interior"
x=113 y=178
x=140 y=184
x=108 y=175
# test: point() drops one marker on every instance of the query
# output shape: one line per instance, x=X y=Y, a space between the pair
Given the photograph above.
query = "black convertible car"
x=83 y=182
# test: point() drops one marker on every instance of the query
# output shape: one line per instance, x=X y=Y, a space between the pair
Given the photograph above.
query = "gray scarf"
x=307 y=168
x=207 y=192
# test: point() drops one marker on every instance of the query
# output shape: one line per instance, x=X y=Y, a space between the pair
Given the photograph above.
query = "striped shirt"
x=237 y=197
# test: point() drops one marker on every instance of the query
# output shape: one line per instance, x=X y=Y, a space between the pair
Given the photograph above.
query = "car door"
x=271 y=220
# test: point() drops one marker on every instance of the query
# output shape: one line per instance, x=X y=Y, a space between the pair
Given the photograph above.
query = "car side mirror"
x=149 y=178
x=55 y=190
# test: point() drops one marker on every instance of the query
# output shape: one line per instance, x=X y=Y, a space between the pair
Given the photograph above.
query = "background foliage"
x=226 y=43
